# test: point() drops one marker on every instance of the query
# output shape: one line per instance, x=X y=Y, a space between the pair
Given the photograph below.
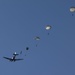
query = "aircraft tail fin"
x=15 y=54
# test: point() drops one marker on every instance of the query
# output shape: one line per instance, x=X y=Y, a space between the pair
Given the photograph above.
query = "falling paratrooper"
x=27 y=48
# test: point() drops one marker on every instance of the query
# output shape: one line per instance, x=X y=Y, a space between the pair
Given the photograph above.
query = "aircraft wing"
x=7 y=58
x=18 y=59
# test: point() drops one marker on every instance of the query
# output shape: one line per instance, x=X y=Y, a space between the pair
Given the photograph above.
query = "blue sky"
x=21 y=21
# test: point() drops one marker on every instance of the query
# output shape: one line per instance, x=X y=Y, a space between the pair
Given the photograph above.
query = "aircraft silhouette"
x=13 y=58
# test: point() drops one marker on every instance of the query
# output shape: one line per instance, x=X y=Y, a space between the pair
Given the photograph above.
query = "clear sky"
x=21 y=21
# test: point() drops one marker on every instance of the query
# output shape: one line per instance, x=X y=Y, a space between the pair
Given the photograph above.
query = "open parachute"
x=48 y=27
x=72 y=10
x=37 y=38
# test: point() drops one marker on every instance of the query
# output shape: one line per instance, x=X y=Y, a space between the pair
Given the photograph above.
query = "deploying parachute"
x=72 y=10
x=48 y=27
x=37 y=38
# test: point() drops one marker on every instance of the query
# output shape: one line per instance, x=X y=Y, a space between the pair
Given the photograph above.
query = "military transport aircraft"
x=13 y=58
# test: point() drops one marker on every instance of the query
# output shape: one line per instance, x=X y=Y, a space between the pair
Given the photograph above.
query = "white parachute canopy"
x=48 y=27
x=72 y=9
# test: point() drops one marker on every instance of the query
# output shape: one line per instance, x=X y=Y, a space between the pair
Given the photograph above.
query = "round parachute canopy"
x=37 y=38
x=72 y=9
x=48 y=27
